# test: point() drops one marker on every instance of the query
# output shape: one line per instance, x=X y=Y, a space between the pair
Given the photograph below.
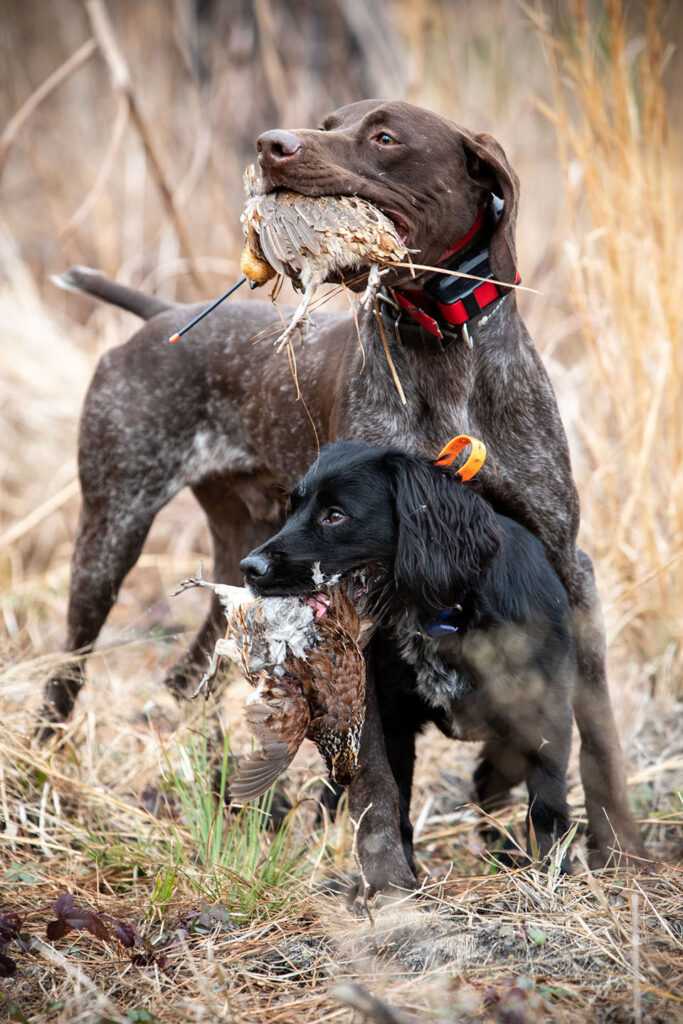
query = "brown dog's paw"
x=634 y=860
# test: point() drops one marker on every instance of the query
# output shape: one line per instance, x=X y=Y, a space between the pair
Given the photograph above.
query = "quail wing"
x=278 y=717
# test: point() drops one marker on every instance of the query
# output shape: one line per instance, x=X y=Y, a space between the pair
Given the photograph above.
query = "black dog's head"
x=381 y=514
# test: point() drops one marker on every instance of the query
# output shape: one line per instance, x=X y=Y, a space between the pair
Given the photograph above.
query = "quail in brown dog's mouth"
x=313 y=238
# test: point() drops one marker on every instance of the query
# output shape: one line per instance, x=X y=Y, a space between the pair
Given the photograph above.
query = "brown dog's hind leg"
x=107 y=547
x=610 y=819
x=183 y=677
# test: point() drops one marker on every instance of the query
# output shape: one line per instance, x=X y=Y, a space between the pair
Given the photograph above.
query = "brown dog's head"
x=426 y=173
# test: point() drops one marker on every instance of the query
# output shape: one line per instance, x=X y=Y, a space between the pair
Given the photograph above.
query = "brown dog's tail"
x=94 y=282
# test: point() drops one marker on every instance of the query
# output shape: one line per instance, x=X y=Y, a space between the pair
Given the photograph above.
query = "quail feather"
x=309 y=239
x=304 y=658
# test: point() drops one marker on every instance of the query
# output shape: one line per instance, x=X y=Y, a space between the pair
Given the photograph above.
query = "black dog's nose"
x=254 y=567
x=277 y=147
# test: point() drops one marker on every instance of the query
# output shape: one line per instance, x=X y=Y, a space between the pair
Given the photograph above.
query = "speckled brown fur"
x=217 y=413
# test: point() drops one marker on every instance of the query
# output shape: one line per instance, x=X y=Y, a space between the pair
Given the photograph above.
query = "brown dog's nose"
x=277 y=147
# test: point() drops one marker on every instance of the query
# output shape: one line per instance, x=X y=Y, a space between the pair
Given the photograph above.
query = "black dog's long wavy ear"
x=447 y=534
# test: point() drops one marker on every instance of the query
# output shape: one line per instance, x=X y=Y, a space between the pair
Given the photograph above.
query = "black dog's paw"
x=379 y=885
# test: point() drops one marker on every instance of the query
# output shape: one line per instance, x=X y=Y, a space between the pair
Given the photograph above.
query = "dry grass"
x=624 y=260
x=87 y=821
x=144 y=180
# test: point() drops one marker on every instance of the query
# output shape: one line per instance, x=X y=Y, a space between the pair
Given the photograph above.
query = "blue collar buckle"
x=441 y=627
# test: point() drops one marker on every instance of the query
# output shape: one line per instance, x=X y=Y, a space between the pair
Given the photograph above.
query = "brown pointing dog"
x=216 y=413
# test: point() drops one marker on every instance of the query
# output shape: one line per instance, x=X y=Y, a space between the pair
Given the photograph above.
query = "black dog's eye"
x=385 y=139
x=333 y=517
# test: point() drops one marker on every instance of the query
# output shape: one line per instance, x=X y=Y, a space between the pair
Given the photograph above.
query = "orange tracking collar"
x=474 y=462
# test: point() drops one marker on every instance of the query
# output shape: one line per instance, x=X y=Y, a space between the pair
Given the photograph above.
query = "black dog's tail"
x=94 y=282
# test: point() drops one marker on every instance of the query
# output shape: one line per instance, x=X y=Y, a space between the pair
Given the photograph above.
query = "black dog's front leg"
x=400 y=748
x=374 y=807
x=403 y=714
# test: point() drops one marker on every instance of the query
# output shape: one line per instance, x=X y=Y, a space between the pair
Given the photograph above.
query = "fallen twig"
x=25 y=525
x=103 y=30
x=368 y=1006
x=390 y=361
x=51 y=83
x=459 y=273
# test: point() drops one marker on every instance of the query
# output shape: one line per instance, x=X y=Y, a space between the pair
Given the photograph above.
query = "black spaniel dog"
x=474 y=627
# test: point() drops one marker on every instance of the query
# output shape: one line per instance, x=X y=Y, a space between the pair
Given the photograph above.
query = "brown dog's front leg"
x=373 y=806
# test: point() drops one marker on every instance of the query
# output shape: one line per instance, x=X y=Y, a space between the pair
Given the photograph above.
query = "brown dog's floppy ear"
x=488 y=165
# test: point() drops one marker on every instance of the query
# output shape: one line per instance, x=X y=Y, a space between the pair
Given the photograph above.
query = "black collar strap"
x=446 y=305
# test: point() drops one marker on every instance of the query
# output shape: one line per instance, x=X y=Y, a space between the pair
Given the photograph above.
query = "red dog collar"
x=457 y=300
x=462 y=242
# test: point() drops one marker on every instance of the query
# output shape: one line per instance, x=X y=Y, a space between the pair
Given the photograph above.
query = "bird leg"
x=228 y=596
x=225 y=647
x=372 y=286
x=192 y=581
x=299 y=316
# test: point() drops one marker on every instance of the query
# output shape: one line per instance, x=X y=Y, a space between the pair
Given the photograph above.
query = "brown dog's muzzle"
x=277 y=149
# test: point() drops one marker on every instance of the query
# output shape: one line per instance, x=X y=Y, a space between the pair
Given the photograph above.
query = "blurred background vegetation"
x=122 y=146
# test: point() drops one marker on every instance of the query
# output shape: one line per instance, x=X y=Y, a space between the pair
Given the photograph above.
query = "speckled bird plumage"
x=309 y=238
x=305 y=662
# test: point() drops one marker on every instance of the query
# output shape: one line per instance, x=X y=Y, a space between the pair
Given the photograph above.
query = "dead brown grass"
x=624 y=261
x=477 y=944
x=599 y=239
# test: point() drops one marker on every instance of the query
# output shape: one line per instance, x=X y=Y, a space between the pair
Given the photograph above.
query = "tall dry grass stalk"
x=623 y=195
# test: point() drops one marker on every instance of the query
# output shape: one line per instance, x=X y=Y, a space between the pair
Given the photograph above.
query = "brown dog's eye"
x=385 y=139
x=333 y=517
